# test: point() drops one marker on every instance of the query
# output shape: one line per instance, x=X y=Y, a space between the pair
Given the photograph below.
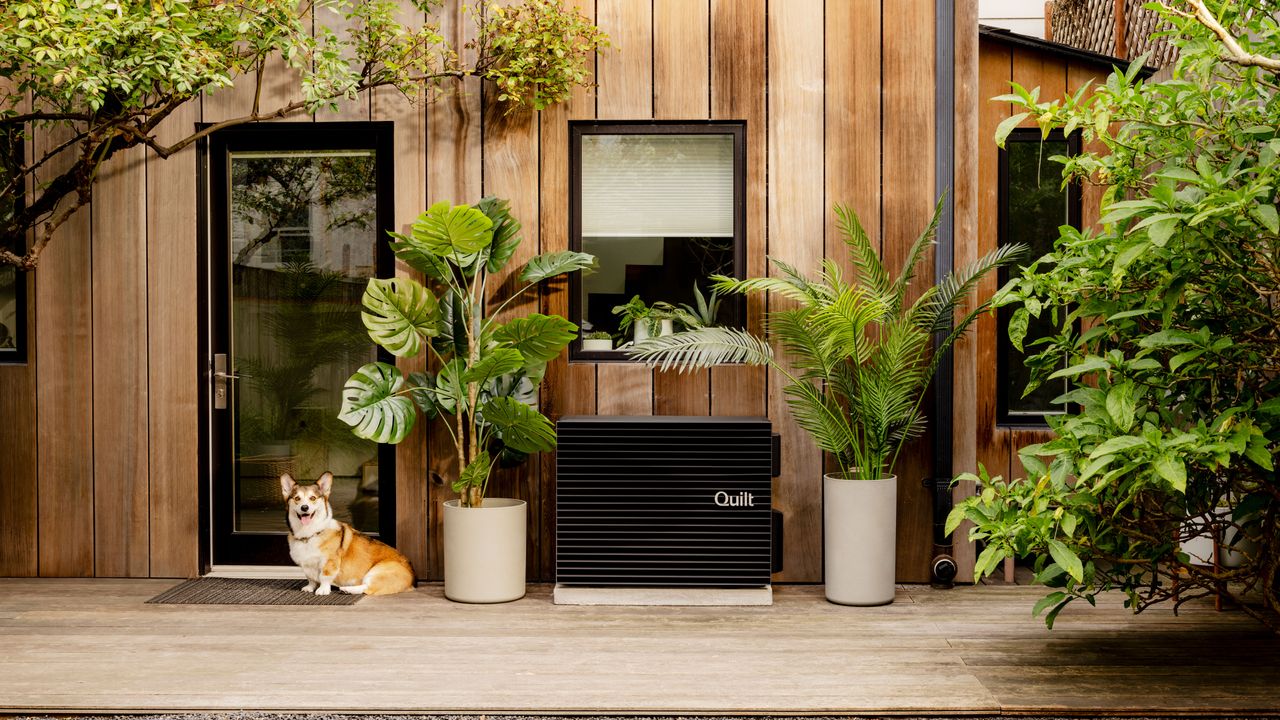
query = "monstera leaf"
x=422 y=388
x=416 y=254
x=550 y=265
x=452 y=339
x=519 y=426
x=398 y=313
x=539 y=338
x=494 y=363
x=506 y=232
x=451 y=393
x=474 y=473
x=453 y=230
x=372 y=406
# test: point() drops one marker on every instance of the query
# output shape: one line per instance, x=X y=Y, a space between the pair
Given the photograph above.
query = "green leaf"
x=493 y=363
x=1007 y=125
x=1066 y=558
x=456 y=231
x=1267 y=215
x=549 y=265
x=954 y=518
x=518 y=425
x=540 y=338
x=1090 y=364
x=372 y=407
x=1172 y=469
x=475 y=473
x=1018 y=324
x=422 y=389
x=1121 y=403
x=1166 y=338
x=451 y=394
x=1045 y=602
x=398 y=313
x=1161 y=231
x=1259 y=451
x=1117 y=444
x=506 y=232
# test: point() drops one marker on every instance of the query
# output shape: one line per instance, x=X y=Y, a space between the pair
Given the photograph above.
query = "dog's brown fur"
x=334 y=553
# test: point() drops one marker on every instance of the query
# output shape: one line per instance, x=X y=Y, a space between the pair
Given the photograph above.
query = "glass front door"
x=299 y=230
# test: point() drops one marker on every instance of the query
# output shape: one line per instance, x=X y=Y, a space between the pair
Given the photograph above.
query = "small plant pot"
x=1232 y=549
x=860 y=539
x=641 y=329
x=597 y=344
x=484 y=551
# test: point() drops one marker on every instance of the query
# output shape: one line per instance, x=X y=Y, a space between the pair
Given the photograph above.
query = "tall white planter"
x=484 y=551
x=860 y=539
x=640 y=330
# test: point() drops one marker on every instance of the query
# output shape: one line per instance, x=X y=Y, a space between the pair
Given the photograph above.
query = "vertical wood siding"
x=996 y=446
x=839 y=107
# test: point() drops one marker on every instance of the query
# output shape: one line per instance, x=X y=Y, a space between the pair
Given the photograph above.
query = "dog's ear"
x=325 y=483
x=287 y=485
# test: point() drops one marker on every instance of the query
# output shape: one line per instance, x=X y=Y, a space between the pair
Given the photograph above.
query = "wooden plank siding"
x=990 y=443
x=834 y=112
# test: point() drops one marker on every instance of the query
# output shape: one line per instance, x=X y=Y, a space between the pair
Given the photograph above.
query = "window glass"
x=13 y=289
x=659 y=212
x=304 y=237
x=1035 y=206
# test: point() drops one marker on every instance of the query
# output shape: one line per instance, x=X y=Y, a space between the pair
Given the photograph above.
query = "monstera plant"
x=488 y=369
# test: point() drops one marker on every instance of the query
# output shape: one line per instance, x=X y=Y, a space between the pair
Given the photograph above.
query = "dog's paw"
x=323 y=590
x=309 y=588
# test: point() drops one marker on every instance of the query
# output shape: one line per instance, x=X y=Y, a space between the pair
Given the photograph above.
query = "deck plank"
x=94 y=646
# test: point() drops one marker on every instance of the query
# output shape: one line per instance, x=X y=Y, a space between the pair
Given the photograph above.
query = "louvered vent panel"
x=663 y=501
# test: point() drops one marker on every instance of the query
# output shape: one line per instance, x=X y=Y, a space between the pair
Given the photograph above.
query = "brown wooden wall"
x=994 y=445
x=99 y=472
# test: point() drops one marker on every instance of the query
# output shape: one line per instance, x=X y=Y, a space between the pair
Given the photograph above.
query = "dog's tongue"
x=305 y=518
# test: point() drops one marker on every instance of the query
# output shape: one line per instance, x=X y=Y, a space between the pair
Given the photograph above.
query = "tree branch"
x=1235 y=53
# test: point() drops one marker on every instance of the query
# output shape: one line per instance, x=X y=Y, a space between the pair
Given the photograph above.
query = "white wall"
x=1025 y=17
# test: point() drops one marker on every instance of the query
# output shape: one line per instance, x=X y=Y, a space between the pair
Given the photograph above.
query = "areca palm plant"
x=489 y=370
x=859 y=355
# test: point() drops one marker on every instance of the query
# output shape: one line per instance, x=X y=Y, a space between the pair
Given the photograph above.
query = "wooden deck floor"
x=93 y=646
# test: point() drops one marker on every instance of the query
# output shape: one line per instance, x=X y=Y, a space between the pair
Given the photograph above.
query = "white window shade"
x=657 y=185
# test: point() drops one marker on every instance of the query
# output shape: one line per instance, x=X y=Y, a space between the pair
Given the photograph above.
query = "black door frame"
x=224 y=546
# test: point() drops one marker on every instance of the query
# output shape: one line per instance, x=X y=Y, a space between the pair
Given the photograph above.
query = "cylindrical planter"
x=859 y=545
x=484 y=551
x=641 y=329
x=597 y=344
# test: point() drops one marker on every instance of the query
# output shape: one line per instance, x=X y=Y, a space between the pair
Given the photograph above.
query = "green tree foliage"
x=1167 y=315
x=860 y=353
x=489 y=371
x=99 y=76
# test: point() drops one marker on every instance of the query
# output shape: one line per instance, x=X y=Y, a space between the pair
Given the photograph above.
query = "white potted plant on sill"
x=596 y=341
x=859 y=358
x=645 y=321
x=485 y=388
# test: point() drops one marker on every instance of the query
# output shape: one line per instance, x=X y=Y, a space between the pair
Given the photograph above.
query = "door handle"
x=221 y=380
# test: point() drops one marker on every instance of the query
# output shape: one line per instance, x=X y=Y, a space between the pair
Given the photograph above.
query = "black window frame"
x=1075 y=198
x=580 y=128
x=228 y=546
x=19 y=355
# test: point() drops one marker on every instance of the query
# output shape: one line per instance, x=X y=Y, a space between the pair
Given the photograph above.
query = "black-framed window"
x=662 y=205
x=1033 y=204
x=13 y=283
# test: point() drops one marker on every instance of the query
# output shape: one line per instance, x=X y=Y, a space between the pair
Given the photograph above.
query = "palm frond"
x=822 y=417
x=805 y=350
x=814 y=291
x=871 y=272
x=702 y=348
x=780 y=286
x=843 y=323
x=898 y=292
x=935 y=309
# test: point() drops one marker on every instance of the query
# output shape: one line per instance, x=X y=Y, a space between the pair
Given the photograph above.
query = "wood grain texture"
x=18 y=439
x=738 y=86
x=909 y=196
x=174 y=375
x=410 y=198
x=970 y=651
x=511 y=172
x=64 y=335
x=681 y=91
x=567 y=388
x=995 y=68
x=796 y=220
x=625 y=77
x=1078 y=75
x=453 y=167
x=964 y=448
x=120 y=368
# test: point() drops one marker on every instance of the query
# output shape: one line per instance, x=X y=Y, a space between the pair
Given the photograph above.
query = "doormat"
x=248 y=591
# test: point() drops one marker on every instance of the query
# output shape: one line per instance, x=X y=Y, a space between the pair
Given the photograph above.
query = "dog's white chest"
x=306 y=554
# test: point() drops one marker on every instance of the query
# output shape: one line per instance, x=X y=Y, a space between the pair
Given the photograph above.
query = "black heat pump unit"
x=664 y=501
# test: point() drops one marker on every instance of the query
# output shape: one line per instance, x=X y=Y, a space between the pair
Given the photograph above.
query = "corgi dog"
x=334 y=553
